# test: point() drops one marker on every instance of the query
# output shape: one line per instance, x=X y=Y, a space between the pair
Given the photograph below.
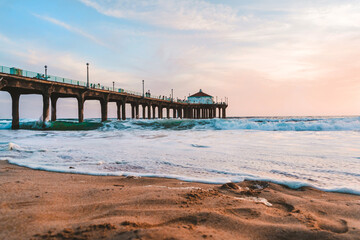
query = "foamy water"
x=320 y=152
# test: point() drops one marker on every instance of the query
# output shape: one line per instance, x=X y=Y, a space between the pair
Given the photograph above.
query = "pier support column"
x=53 y=107
x=224 y=113
x=137 y=110
x=123 y=112
x=167 y=112
x=149 y=111
x=153 y=111
x=118 y=112
x=132 y=111
x=143 y=110
x=180 y=113
x=198 y=113
x=46 y=106
x=80 y=109
x=104 y=109
x=15 y=110
x=174 y=112
x=219 y=112
x=160 y=112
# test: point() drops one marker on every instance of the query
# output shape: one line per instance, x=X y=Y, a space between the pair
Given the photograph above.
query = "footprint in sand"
x=283 y=206
x=247 y=213
x=335 y=226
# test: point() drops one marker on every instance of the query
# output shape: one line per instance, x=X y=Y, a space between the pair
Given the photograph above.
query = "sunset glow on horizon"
x=270 y=58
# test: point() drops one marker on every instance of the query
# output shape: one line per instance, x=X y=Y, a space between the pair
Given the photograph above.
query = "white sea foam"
x=13 y=146
x=255 y=199
x=261 y=124
x=175 y=188
x=208 y=151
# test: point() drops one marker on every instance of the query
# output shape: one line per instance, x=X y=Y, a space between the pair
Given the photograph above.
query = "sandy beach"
x=46 y=205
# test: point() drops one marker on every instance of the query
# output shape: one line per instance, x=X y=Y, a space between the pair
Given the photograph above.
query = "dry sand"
x=44 y=205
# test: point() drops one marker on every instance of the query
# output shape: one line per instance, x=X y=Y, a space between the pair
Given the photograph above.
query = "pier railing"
x=52 y=78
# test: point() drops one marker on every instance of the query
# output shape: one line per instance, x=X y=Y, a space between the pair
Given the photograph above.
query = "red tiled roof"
x=200 y=94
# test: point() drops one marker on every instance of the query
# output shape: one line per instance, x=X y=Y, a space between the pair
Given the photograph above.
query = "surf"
x=258 y=124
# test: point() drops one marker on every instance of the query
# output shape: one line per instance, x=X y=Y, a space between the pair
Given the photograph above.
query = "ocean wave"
x=216 y=180
x=260 y=124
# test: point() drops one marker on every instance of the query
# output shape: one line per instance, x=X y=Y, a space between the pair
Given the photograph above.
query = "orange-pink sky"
x=268 y=57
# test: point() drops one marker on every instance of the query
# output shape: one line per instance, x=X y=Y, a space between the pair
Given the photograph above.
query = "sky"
x=268 y=57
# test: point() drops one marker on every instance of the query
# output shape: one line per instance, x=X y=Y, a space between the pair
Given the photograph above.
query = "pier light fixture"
x=45 y=71
x=143 y=87
x=87 y=75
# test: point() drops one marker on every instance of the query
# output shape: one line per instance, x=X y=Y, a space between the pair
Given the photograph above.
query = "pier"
x=18 y=82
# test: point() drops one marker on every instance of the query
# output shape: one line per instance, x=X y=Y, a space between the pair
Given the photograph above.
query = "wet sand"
x=45 y=205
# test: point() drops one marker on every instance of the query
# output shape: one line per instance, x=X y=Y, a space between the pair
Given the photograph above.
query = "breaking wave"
x=260 y=124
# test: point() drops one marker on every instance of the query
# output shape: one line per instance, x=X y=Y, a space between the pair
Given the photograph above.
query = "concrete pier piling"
x=54 y=99
x=80 y=109
x=15 y=97
x=51 y=91
x=46 y=105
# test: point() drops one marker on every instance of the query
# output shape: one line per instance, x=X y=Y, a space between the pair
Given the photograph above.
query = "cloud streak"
x=70 y=28
x=181 y=15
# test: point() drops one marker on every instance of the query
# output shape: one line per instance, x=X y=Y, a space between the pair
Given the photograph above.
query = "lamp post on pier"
x=87 y=75
x=143 y=88
x=45 y=72
x=172 y=95
x=114 y=86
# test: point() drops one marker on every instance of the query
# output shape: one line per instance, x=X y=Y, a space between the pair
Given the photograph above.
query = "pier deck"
x=53 y=88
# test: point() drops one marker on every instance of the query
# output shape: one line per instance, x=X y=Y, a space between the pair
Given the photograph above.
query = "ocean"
x=322 y=152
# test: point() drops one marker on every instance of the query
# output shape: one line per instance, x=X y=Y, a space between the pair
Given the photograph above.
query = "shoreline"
x=38 y=204
x=298 y=184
